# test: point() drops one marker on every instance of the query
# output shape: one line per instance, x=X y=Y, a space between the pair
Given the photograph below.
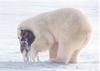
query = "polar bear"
x=64 y=32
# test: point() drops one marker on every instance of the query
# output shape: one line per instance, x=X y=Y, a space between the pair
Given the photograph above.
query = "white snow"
x=42 y=66
x=12 y=12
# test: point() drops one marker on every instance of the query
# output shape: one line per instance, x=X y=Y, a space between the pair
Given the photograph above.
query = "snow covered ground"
x=12 y=12
x=41 y=66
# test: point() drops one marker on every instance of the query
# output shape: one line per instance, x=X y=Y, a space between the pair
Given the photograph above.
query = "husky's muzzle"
x=24 y=48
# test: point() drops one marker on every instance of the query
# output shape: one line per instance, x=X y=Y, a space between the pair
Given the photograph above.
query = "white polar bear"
x=63 y=32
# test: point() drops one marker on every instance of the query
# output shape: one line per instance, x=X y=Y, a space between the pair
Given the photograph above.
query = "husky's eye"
x=22 y=39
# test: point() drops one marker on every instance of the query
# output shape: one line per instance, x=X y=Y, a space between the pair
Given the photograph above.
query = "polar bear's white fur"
x=63 y=32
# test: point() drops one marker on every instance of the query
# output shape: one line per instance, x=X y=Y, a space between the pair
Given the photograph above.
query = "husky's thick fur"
x=63 y=32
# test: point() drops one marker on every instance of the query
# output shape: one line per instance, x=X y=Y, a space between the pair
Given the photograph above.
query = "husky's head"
x=26 y=39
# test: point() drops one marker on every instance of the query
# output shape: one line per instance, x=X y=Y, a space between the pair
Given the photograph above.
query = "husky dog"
x=63 y=32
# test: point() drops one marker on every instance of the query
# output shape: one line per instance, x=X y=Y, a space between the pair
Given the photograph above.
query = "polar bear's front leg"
x=53 y=51
x=64 y=53
x=33 y=54
x=63 y=56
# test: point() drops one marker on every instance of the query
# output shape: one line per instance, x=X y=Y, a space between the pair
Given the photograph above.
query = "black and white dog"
x=27 y=38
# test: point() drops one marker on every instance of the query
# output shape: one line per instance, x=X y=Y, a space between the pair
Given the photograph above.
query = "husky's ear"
x=30 y=37
x=22 y=31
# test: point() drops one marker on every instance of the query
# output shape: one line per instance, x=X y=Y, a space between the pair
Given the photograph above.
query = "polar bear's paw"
x=59 y=61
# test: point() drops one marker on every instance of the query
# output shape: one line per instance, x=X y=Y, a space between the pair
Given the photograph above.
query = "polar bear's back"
x=66 y=17
x=63 y=17
x=67 y=21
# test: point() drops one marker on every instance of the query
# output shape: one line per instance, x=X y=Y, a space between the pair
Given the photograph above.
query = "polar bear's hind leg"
x=74 y=58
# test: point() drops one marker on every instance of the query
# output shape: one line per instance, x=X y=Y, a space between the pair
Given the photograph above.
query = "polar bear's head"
x=26 y=39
